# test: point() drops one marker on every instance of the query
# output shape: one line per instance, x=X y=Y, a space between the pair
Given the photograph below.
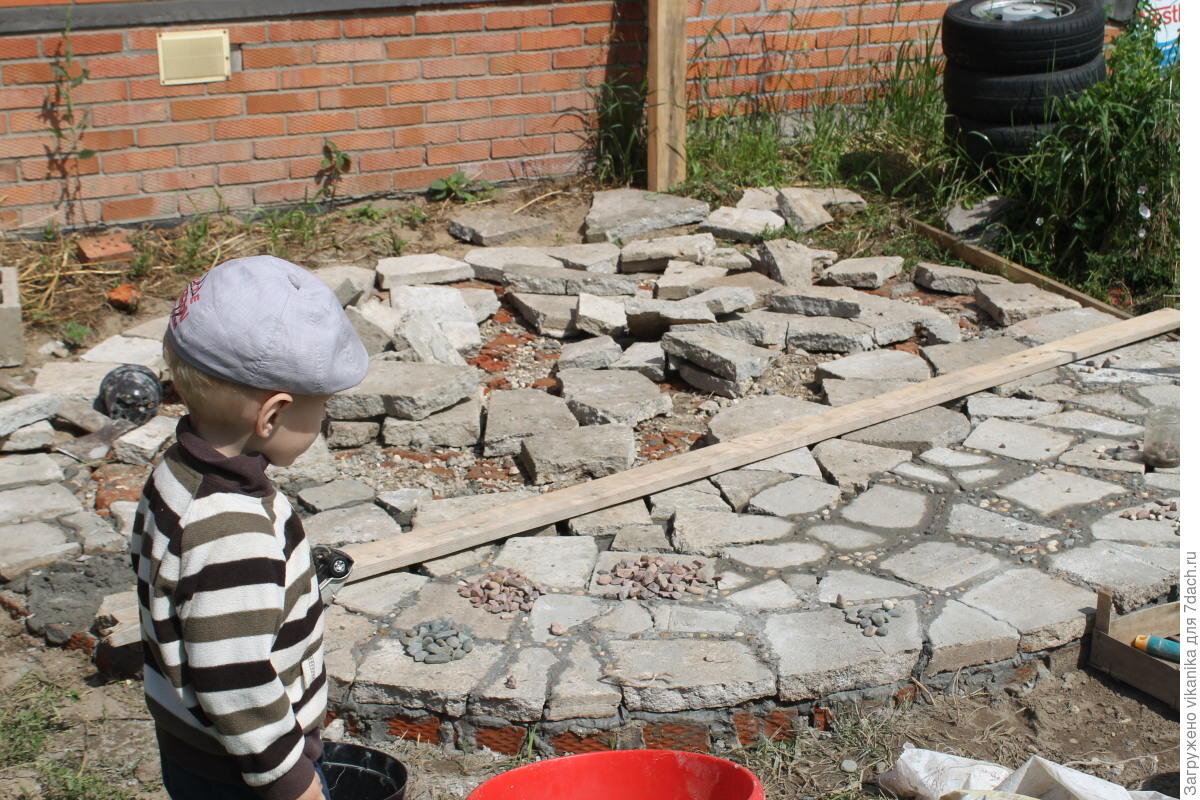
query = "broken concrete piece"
x=951 y=280
x=143 y=443
x=726 y=299
x=755 y=414
x=729 y=358
x=863 y=273
x=791 y=263
x=852 y=465
x=795 y=497
x=916 y=432
x=841 y=392
x=653 y=255
x=876 y=365
x=612 y=396
x=561 y=280
x=339 y=494
x=1059 y=325
x=593 y=450
x=601 y=257
x=457 y=426
x=599 y=316
x=802 y=211
x=404 y=390
x=594 y=353
x=1016 y=440
x=961 y=636
x=818 y=301
x=741 y=224
x=351 y=525
x=649 y=319
x=349 y=282
x=420 y=269
x=492 y=263
x=418 y=336
x=550 y=315
x=647 y=358
x=828 y=335
x=960 y=355
x=621 y=214
x=27 y=409
x=1010 y=303
x=709 y=532
x=490 y=227
x=680 y=279
x=1047 y=612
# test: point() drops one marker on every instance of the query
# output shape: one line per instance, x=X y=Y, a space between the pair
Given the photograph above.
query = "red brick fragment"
x=507 y=740
x=676 y=736
x=125 y=297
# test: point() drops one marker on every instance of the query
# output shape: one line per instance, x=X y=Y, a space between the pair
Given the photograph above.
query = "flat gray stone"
x=30 y=545
x=446 y=305
x=36 y=468
x=759 y=413
x=649 y=319
x=763 y=198
x=791 y=263
x=876 y=365
x=1115 y=403
x=550 y=315
x=489 y=227
x=794 y=498
x=519 y=692
x=944 y=457
x=27 y=409
x=776 y=556
x=594 y=353
x=344 y=632
x=887 y=507
x=950 y=280
x=729 y=358
x=1017 y=440
x=142 y=444
x=663 y=676
x=739 y=485
x=593 y=450
x=345 y=433
x=30 y=503
x=1163 y=480
x=517 y=414
x=387 y=675
x=710 y=532
x=820 y=653
x=457 y=426
x=802 y=211
x=842 y=392
x=628 y=617
x=961 y=636
x=699 y=495
x=126 y=350
x=818 y=301
x=339 y=494
x=1091 y=376
x=916 y=432
x=1059 y=325
x=95 y=533
x=1113 y=527
x=728 y=258
x=458 y=562
x=1009 y=303
x=418 y=336
x=986 y=405
x=940 y=565
x=1048 y=612
x=1158 y=354
x=124 y=515
x=561 y=280
x=380 y=596
x=689 y=619
x=919 y=473
x=404 y=390
x=653 y=255
x=315 y=465
x=722 y=300
x=35 y=436
x=1135 y=573
x=979 y=523
x=741 y=224
x=599 y=316
x=601 y=257
x=424 y=268
x=1162 y=395
x=646 y=358
x=851 y=465
x=623 y=397
x=440 y=600
x=863 y=273
x=402 y=504
x=621 y=214
x=156 y=328
x=65 y=380
x=844 y=537
x=354 y=525
x=568 y=610
x=828 y=335
x=492 y=263
x=836 y=198
x=1103 y=454
x=773 y=594
x=1051 y=491
x=482 y=302
x=607 y=521
x=578 y=692
x=960 y=355
x=646 y=538
x=374 y=324
x=1092 y=423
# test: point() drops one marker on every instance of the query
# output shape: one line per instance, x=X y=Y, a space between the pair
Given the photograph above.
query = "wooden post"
x=666 y=95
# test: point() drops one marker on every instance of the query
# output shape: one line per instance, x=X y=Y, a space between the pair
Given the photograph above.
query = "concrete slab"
x=1059 y=325
x=1051 y=491
x=1115 y=527
x=794 y=498
x=404 y=390
x=916 y=432
x=961 y=637
x=951 y=280
x=518 y=693
x=653 y=255
x=1135 y=573
x=600 y=257
x=859 y=587
x=664 y=676
x=339 y=494
x=568 y=611
x=517 y=414
x=1092 y=423
x=35 y=468
x=579 y=691
x=940 y=565
x=863 y=273
x=852 y=465
x=784 y=555
x=457 y=426
x=29 y=503
x=593 y=450
x=553 y=561
x=490 y=227
x=424 y=268
x=354 y=525
x=380 y=596
x=387 y=675
x=1016 y=440
x=710 y=532
x=621 y=214
x=877 y=365
x=844 y=537
x=979 y=523
x=739 y=485
x=1048 y=612
x=622 y=397
x=754 y=414
x=1009 y=303
x=774 y=594
x=887 y=507
x=440 y=600
x=31 y=545
x=947 y=358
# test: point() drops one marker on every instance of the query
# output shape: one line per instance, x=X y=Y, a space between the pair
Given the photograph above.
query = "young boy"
x=231 y=615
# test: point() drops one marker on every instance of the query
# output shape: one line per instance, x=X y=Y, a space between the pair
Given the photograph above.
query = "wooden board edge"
x=386 y=555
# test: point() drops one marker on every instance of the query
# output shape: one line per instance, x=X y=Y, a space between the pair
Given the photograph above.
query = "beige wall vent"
x=193 y=57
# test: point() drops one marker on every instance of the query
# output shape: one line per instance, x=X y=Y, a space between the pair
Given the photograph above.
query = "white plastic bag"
x=928 y=774
x=1046 y=780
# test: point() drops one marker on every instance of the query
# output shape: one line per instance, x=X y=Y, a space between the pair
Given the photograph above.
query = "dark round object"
x=131 y=392
x=354 y=772
x=1016 y=99
x=1017 y=37
x=984 y=142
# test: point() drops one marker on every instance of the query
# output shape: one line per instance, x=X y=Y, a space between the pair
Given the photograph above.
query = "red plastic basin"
x=625 y=775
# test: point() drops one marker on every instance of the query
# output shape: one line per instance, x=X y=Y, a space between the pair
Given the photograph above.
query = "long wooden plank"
x=997 y=265
x=666 y=95
x=395 y=552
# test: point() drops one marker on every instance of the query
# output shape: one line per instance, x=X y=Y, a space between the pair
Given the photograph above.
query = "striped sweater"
x=232 y=621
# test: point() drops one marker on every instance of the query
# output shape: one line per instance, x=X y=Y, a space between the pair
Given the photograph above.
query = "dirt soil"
x=1070 y=716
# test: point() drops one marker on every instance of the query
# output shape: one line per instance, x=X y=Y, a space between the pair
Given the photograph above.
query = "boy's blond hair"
x=204 y=394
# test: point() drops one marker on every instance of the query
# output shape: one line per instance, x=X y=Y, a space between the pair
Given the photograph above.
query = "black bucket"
x=360 y=773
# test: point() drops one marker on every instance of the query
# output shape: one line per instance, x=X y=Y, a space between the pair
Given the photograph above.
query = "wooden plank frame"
x=396 y=552
x=1112 y=653
x=666 y=96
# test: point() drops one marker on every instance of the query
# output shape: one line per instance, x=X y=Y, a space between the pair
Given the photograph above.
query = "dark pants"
x=183 y=785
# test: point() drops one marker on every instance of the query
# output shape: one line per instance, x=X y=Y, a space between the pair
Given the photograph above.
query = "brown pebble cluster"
x=504 y=592
x=654 y=576
x=1168 y=509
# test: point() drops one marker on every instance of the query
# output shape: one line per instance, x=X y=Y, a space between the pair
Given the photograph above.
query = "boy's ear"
x=268 y=414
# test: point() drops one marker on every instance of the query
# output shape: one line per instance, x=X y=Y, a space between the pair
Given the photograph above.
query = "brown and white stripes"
x=232 y=621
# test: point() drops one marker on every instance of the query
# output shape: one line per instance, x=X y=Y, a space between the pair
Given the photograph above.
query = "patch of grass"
x=457 y=187
x=618 y=143
x=75 y=335
x=61 y=781
x=28 y=718
x=727 y=153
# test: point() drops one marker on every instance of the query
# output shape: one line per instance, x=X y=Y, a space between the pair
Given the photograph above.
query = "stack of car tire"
x=1007 y=61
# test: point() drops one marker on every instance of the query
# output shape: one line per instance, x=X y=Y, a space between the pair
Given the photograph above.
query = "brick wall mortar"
x=500 y=90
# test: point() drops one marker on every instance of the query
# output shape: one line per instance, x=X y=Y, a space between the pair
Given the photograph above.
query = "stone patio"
x=989 y=521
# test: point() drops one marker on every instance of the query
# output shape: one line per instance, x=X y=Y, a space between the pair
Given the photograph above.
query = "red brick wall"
x=499 y=90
